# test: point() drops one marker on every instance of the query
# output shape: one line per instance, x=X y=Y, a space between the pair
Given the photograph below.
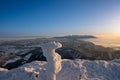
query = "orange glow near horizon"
x=106 y=40
x=111 y=36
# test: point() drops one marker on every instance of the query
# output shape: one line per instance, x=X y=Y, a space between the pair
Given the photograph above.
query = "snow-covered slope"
x=71 y=70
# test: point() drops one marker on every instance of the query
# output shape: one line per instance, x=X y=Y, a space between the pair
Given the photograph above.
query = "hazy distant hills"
x=76 y=37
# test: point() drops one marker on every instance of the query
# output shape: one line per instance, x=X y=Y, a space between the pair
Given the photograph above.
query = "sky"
x=59 y=17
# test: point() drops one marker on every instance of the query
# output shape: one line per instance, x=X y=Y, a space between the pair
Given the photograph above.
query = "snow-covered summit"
x=57 y=69
x=71 y=70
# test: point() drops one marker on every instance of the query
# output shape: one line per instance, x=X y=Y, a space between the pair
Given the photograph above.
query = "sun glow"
x=108 y=36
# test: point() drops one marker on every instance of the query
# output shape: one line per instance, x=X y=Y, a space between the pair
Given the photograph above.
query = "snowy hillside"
x=62 y=69
x=71 y=70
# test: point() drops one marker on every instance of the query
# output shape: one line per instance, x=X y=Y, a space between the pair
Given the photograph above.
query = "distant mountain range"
x=76 y=37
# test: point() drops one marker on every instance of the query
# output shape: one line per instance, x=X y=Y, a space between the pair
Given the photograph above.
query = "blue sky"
x=59 y=17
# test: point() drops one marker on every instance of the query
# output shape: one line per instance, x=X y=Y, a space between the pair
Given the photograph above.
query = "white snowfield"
x=71 y=70
x=57 y=69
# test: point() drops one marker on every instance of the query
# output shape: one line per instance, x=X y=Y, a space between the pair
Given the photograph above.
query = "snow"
x=11 y=61
x=57 y=69
x=53 y=58
x=71 y=70
x=3 y=69
x=28 y=56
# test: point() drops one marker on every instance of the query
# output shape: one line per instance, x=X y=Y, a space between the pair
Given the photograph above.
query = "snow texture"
x=53 y=58
x=71 y=70
x=57 y=69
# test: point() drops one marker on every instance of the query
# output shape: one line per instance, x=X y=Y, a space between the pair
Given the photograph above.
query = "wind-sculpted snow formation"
x=57 y=69
x=53 y=58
